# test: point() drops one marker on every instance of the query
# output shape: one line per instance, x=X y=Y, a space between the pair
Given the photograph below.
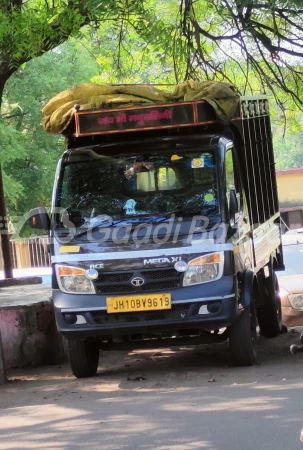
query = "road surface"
x=181 y=399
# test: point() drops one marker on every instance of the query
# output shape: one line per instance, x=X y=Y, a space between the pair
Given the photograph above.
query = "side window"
x=232 y=180
x=229 y=171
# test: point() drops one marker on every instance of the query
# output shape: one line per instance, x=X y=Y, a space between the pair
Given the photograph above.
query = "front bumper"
x=292 y=317
x=186 y=312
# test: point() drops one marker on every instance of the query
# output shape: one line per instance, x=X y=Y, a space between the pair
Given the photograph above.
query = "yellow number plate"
x=138 y=303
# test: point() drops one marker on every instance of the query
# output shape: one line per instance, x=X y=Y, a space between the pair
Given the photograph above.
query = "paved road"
x=180 y=399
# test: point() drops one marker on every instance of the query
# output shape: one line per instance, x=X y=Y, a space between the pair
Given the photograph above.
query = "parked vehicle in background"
x=291 y=280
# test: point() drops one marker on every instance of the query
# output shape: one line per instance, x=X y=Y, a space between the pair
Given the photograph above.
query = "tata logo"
x=97 y=266
x=168 y=260
x=137 y=281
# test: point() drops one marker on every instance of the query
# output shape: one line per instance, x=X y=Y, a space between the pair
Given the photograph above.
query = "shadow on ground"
x=180 y=398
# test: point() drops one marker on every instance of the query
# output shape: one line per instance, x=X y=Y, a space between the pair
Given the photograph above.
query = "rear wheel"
x=270 y=313
x=242 y=338
x=83 y=357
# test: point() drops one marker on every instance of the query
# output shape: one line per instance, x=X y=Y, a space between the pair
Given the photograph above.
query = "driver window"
x=232 y=181
x=229 y=174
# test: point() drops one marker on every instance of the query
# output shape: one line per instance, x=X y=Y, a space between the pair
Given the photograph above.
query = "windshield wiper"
x=113 y=223
x=130 y=221
x=182 y=213
x=139 y=220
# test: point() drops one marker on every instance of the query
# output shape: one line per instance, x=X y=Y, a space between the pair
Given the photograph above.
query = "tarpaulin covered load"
x=59 y=110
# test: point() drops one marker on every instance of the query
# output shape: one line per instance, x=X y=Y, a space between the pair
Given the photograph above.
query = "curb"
x=2 y=367
x=30 y=336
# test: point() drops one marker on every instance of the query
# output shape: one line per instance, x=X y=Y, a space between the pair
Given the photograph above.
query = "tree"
x=30 y=28
x=147 y=42
x=28 y=154
x=119 y=52
x=11 y=150
x=263 y=39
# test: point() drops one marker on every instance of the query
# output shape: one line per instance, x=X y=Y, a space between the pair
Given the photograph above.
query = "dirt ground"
x=125 y=373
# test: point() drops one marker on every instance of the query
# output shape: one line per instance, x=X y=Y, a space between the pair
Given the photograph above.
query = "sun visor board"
x=70 y=249
x=143 y=118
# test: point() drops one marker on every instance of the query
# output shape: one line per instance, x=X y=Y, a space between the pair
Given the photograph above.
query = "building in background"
x=290 y=191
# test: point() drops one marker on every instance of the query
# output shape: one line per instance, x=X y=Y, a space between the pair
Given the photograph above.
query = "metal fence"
x=28 y=253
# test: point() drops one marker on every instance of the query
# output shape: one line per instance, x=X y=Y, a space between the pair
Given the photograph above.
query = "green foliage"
x=29 y=155
x=31 y=28
x=262 y=39
x=11 y=150
x=288 y=150
x=132 y=41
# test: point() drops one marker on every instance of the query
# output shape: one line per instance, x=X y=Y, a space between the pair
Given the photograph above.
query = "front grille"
x=115 y=277
x=155 y=280
x=159 y=274
x=177 y=311
x=115 y=289
x=160 y=285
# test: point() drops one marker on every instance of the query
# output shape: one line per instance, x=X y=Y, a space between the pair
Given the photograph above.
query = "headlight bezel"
x=292 y=298
x=211 y=259
x=66 y=271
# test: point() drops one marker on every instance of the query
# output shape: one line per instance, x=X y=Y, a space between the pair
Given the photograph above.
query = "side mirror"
x=233 y=203
x=39 y=219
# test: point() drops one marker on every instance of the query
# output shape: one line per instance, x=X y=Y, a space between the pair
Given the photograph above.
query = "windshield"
x=138 y=187
x=293 y=259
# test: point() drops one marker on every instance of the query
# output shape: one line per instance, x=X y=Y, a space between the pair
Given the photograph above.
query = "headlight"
x=204 y=269
x=296 y=301
x=73 y=280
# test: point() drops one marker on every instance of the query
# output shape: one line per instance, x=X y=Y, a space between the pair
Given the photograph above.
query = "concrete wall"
x=29 y=335
x=2 y=368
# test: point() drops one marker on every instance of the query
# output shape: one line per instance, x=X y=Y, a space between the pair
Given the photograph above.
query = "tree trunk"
x=5 y=73
x=2 y=84
x=5 y=243
x=1 y=91
x=3 y=79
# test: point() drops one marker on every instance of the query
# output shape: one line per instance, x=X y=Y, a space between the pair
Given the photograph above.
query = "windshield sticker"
x=130 y=206
x=176 y=157
x=208 y=160
x=197 y=163
x=209 y=198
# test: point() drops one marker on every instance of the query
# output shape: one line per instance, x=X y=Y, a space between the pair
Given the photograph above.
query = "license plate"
x=150 y=302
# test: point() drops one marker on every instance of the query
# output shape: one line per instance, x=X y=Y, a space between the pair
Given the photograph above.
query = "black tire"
x=270 y=313
x=242 y=338
x=83 y=357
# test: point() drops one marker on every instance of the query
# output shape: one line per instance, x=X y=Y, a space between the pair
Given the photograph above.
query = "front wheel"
x=83 y=357
x=242 y=338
